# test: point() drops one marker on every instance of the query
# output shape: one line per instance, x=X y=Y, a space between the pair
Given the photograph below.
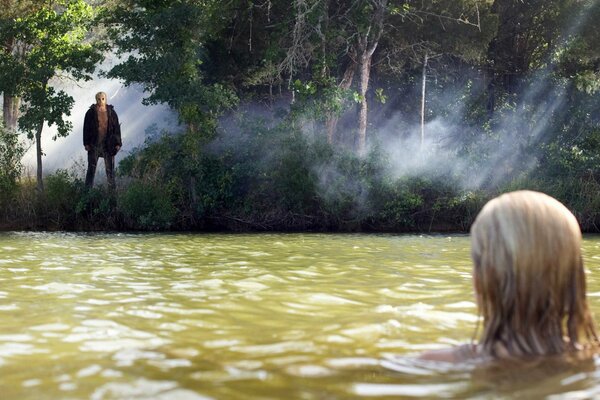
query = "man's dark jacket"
x=113 y=130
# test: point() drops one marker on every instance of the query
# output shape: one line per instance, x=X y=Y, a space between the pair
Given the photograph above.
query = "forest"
x=308 y=115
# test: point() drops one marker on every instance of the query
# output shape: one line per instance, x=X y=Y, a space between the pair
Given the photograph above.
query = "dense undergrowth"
x=428 y=117
x=280 y=179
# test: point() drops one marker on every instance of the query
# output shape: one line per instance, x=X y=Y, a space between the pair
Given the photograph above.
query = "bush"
x=148 y=206
x=96 y=209
x=61 y=197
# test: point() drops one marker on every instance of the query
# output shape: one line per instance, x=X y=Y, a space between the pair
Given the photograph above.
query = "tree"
x=162 y=43
x=429 y=37
x=368 y=33
x=528 y=34
x=163 y=46
x=11 y=9
x=415 y=30
x=53 y=41
x=579 y=59
x=268 y=44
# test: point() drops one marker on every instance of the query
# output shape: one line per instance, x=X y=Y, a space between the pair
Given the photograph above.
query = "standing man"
x=101 y=138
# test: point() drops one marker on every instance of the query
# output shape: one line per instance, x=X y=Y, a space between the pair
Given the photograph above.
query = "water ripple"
x=186 y=316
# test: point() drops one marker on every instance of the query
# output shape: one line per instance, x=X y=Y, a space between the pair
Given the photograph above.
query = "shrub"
x=60 y=197
x=147 y=205
x=96 y=208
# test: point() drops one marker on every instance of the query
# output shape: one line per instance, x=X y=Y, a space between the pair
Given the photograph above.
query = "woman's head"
x=528 y=276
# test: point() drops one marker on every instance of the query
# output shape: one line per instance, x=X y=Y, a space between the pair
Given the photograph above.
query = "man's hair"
x=528 y=276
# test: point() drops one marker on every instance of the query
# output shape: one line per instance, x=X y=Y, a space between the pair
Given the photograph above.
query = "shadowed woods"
x=309 y=115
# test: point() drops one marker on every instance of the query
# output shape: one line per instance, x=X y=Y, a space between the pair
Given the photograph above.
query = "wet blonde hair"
x=529 y=278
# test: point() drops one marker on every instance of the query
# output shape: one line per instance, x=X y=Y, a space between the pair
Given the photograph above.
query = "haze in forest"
x=138 y=121
x=312 y=114
x=398 y=140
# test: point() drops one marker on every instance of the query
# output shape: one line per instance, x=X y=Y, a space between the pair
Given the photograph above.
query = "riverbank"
x=409 y=206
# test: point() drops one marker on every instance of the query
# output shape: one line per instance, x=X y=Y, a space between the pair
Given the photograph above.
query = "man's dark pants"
x=109 y=165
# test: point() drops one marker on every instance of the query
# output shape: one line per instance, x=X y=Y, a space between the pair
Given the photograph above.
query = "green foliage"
x=381 y=97
x=319 y=99
x=293 y=179
x=11 y=152
x=507 y=74
x=588 y=81
x=67 y=204
x=45 y=104
x=44 y=42
x=196 y=181
x=163 y=42
x=96 y=206
x=60 y=197
x=445 y=31
x=426 y=203
x=579 y=57
x=61 y=190
x=404 y=201
x=148 y=206
x=53 y=37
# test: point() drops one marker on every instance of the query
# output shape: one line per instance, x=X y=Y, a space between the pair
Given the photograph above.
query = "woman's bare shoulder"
x=466 y=352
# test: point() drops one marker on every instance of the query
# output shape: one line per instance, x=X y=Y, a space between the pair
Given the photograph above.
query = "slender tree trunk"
x=15 y=111
x=38 y=146
x=10 y=111
x=423 y=91
x=11 y=103
x=363 y=87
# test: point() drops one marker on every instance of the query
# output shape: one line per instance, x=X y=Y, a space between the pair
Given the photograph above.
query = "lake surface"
x=264 y=316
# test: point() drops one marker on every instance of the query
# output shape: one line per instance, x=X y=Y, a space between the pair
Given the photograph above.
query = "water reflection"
x=115 y=316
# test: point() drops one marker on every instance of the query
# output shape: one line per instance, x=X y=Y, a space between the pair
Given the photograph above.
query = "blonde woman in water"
x=529 y=281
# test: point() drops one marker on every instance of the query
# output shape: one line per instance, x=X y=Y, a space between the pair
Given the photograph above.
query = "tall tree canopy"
x=185 y=53
x=163 y=44
x=51 y=42
x=502 y=87
x=12 y=9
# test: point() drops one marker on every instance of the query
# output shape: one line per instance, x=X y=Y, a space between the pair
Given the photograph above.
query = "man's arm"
x=87 y=130
x=117 y=130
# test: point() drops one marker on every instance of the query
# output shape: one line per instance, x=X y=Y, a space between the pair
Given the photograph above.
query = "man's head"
x=101 y=99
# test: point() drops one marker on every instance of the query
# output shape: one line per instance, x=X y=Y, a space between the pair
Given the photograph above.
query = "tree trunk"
x=11 y=103
x=11 y=111
x=367 y=43
x=38 y=145
x=423 y=91
x=363 y=85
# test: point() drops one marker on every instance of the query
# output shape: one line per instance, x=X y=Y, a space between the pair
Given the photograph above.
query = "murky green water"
x=303 y=316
